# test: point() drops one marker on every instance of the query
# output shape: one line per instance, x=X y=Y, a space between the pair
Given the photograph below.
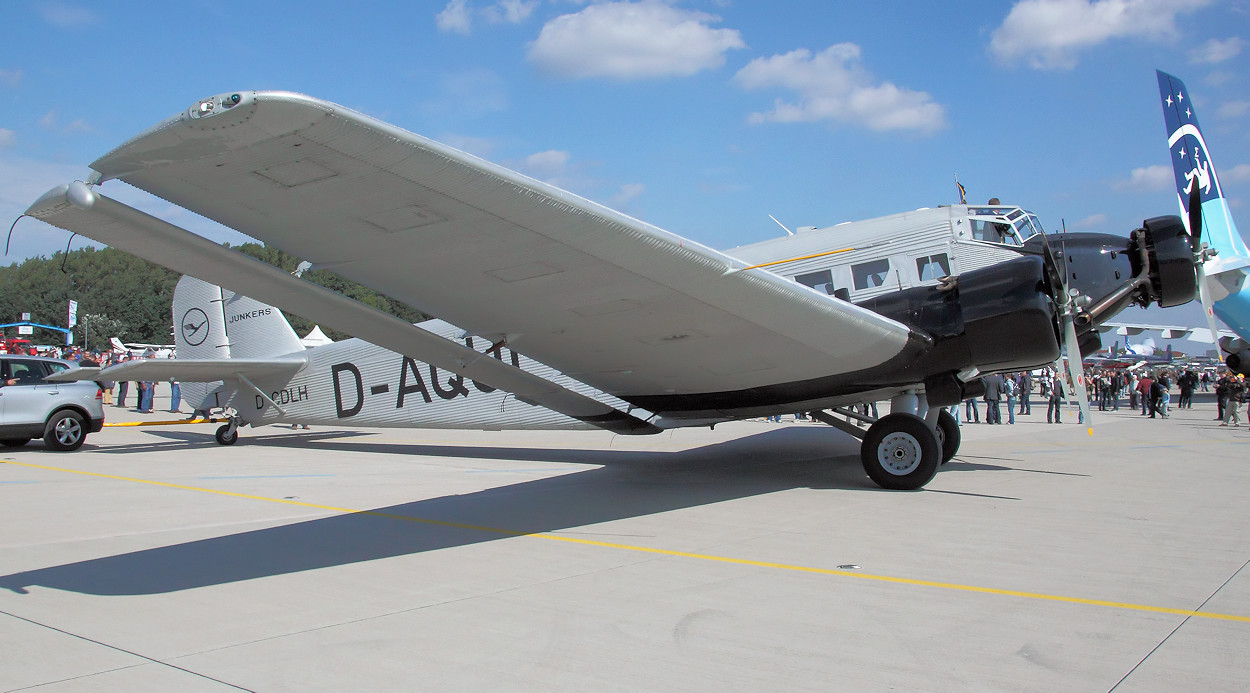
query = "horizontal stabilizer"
x=184 y=370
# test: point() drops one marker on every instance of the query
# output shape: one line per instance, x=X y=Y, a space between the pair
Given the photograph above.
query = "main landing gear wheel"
x=900 y=452
x=227 y=434
x=948 y=435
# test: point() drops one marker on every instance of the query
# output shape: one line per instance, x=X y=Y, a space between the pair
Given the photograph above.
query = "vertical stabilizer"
x=212 y=323
x=199 y=324
x=257 y=330
x=1191 y=165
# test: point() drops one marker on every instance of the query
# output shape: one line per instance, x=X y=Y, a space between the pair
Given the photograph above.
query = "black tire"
x=14 y=442
x=64 y=431
x=949 y=435
x=227 y=436
x=900 y=452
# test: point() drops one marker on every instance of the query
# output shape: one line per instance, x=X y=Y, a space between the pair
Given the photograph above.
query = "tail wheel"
x=227 y=435
x=64 y=431
x=948 y=435
x=900 y=452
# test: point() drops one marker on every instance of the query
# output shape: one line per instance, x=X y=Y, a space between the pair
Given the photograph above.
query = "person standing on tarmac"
x=1009 y=394
x=1055 y=403
x=1143 y=388
x=1236 y=389
x=993 y=394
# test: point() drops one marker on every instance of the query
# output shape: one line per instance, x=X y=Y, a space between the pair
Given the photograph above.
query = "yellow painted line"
x=163 y=423
x=667 y=552
x=796 y=259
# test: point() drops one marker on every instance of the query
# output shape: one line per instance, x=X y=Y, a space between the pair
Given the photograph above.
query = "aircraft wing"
x=186 y=370
x=612 y=301
x=76 y=207
x=1197 y=334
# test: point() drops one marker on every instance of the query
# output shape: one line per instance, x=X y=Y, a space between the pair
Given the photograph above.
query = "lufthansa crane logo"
x=194 y=327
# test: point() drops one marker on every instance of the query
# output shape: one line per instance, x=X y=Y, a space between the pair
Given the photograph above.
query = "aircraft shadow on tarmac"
x=627 y=484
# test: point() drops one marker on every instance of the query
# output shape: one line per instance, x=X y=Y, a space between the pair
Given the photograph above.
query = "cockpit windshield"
x=1003 y=224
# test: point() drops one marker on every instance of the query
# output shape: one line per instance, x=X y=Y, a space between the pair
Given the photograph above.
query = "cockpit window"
x=1001 y=224
x=992 y=231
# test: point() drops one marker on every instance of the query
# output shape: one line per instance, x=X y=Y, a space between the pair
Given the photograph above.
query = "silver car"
x=60 y=413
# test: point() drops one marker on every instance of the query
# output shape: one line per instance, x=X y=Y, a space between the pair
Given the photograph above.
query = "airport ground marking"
x=661 y=552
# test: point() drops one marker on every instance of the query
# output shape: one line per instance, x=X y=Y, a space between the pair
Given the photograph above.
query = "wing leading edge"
x=621 y=305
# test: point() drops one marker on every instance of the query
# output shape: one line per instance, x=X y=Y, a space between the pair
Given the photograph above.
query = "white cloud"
x=1048 y=34
x=509 y=11
x=833 y=85
x=1092 y=221
x=1147 y=179
x=66 y=16
x=1216 y=51
x=10 y=78
x=455 y=18
x=1233 y=109
x=632 y=40
x=51 y=121
x=626 y=193
x=549 y=165
x=1237 y=174
x=8 y=138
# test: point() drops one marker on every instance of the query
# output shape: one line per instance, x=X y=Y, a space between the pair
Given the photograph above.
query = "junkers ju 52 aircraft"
x=644 y=330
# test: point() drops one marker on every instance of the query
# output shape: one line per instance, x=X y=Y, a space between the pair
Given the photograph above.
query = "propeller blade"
x=1195 y=217
x=1058 y=287
x=1076 y=372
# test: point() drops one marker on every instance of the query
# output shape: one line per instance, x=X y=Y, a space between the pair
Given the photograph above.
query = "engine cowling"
x=994 y=319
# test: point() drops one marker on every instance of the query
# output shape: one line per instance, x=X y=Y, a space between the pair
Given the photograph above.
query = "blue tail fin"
x=1191 y=164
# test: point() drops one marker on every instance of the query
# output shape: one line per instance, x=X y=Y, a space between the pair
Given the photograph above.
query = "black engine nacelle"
x=998 y=318
x=1236 y=354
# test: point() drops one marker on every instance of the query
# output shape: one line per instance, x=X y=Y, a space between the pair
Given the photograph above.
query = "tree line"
x=120 y=295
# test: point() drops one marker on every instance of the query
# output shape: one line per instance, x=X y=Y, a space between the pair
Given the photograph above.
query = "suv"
x=60 y=413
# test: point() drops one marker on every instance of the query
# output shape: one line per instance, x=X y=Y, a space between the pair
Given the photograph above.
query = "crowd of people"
x=1149 y=391
x=116 y=393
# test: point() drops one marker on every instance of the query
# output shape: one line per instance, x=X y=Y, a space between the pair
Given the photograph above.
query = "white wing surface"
x=607 y=299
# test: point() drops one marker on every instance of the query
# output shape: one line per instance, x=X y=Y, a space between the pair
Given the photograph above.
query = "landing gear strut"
x=229 y=433
x=904 y=449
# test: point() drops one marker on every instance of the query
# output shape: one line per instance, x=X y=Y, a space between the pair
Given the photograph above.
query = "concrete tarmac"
x=756 y=556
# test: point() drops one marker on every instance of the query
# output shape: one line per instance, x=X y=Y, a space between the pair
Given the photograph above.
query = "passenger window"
x=930 y=267
x=820 y=281
x=869 y=274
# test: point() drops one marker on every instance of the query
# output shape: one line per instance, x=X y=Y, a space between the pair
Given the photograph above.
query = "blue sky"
x=702 y=117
